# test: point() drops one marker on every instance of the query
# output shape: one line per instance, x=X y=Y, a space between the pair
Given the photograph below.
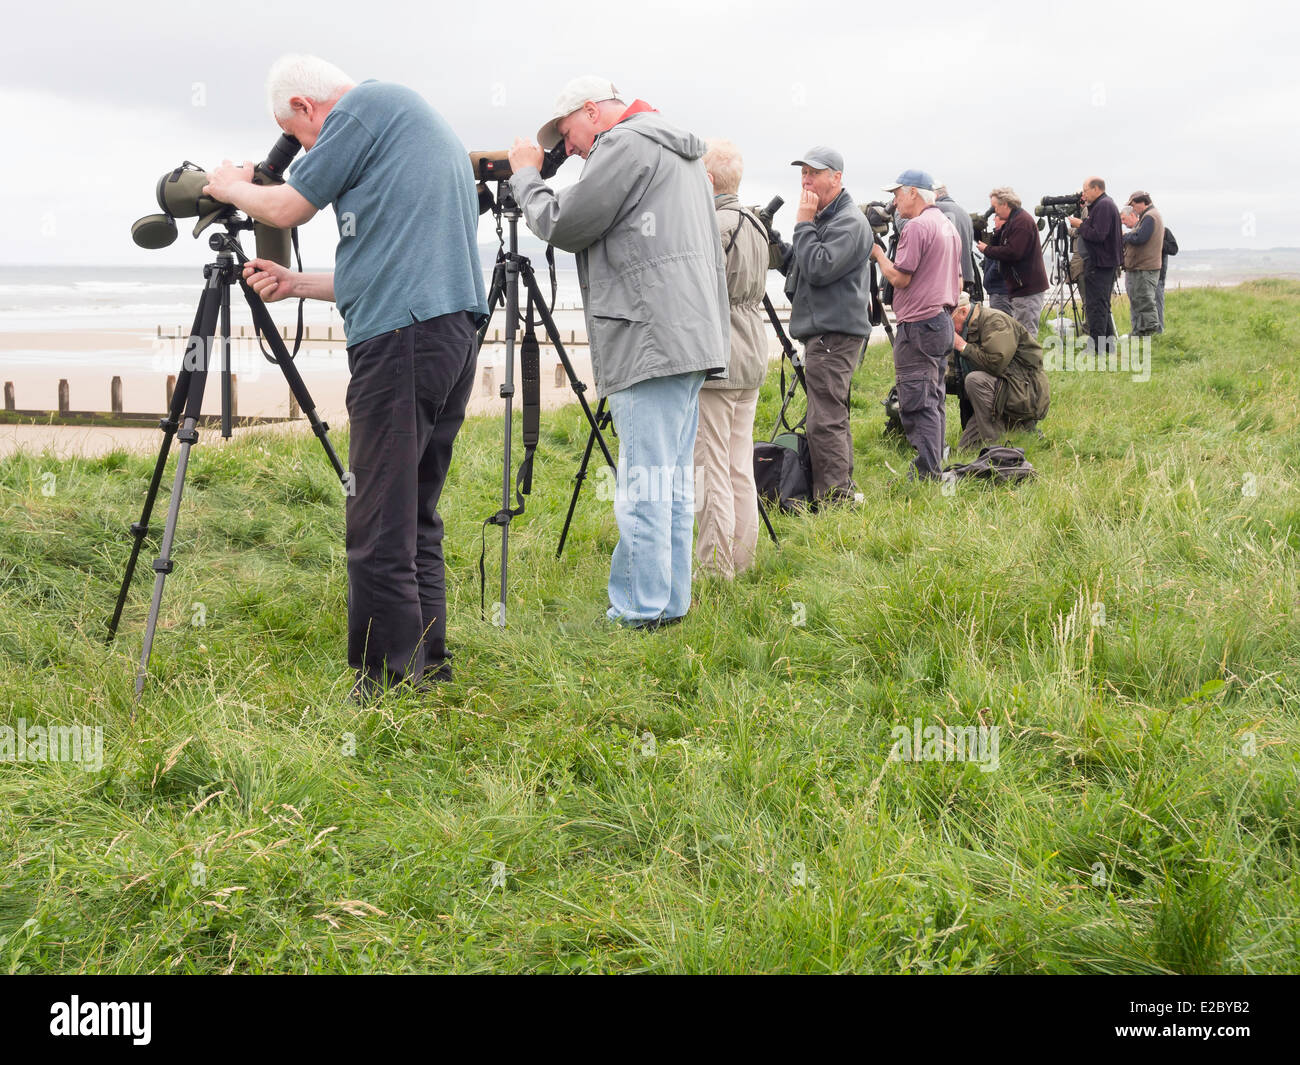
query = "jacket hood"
x=652 y=125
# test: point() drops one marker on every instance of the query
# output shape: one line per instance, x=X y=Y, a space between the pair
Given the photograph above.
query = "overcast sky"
x=1195 y=103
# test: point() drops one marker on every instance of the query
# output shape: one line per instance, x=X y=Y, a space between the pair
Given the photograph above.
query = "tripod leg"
x=553 y=334
x=264 y=324
x=496 y=296
x=162 y=566
x=168 y=425
x=188 y=436
x=602 y=419
x=762 y=513
x=796 y=379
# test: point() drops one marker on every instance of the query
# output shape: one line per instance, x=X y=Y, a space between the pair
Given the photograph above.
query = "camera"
x=980 y=224
x=180 y=195
x=495 y=166
x=879 y=216
x=1060 y=206
x=767 y=214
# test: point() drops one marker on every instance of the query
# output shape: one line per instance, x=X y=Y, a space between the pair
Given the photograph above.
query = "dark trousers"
x=1097 y=285
x=920 y=358
x=829 y=362
x=406 y=402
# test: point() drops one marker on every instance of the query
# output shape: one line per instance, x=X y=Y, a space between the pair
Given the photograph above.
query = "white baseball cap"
x=575 y=94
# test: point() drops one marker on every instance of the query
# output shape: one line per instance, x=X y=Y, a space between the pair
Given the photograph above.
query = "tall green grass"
x=717 y=796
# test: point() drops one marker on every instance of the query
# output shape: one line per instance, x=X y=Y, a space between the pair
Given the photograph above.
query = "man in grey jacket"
x=961 y=221
x=827 y=279
x=654 y=290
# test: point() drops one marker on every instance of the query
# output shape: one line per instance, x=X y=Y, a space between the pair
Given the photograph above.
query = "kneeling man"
x=1004 y=378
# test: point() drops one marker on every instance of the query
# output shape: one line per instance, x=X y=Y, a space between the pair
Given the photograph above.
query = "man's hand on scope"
x=225 y=178
x=269 y=279
x=525 y=153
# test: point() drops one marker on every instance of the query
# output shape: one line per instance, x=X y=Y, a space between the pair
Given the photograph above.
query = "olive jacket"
x=999 y=345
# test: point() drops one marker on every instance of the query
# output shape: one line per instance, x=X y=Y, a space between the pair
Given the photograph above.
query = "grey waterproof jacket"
x=641 y=225
x=961 y=221
x=746 y=286
x=827 y=272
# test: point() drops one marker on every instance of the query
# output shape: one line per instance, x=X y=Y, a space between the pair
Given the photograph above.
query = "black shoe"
x=659 y=623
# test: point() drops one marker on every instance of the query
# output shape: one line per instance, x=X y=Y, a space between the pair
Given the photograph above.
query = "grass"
x=718 y=796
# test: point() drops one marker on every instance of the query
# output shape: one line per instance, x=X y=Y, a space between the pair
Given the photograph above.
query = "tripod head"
x=502 y=203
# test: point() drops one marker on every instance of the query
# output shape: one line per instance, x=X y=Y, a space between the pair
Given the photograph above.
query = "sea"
x=102 y=298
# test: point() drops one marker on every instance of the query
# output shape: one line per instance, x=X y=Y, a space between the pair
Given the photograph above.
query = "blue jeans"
x=654 y=505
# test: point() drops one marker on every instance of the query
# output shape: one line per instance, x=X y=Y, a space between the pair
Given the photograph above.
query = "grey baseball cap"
x=820 y=157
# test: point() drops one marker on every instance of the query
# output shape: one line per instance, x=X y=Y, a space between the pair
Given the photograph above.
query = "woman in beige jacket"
x=726 y=498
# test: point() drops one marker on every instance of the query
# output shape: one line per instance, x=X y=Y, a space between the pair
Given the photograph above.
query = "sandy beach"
x=34 y=362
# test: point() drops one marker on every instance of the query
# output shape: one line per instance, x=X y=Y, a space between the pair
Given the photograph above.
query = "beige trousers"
x=725 y=496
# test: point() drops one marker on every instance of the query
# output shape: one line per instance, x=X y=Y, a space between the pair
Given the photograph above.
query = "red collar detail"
x=638 y=107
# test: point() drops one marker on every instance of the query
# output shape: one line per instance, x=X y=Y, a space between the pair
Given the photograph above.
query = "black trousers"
x=1098 y=282
x=406 y=402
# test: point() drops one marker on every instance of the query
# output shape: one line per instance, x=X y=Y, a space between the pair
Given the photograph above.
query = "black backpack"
x=1001 y=464
x=783 y=471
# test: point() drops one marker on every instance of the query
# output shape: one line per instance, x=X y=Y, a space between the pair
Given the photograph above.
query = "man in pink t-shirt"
x=926 y=275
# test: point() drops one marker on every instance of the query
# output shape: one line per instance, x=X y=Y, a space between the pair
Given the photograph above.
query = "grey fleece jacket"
x=641 y=225
x=827 y=276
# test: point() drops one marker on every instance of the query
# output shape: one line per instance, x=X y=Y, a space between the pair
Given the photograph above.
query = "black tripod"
x=504 y=291
x=187 y=402
x=1064 y=291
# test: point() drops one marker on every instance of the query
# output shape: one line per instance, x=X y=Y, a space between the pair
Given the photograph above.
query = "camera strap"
x=297 y=254
x=762 y=232
x=531 y=376
x=550 y=263
x=876 y=312
x=297 y=340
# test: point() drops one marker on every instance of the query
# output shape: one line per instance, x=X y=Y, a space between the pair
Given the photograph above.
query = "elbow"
x=283 y=216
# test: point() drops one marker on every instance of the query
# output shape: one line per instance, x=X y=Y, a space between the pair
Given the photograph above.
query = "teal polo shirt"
x=406 y=207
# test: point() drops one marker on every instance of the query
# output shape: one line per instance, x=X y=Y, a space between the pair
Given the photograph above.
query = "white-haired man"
x=409 y=284
x=724 y=446
x=926 y=275
x=654 y=290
